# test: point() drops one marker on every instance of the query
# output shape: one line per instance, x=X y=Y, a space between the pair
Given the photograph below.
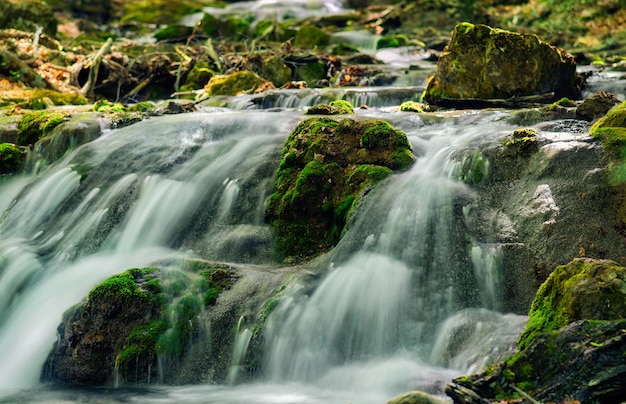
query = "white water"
x=378 y=324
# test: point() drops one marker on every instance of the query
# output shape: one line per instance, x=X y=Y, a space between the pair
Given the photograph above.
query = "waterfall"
x=384 y=316
x=397 y=283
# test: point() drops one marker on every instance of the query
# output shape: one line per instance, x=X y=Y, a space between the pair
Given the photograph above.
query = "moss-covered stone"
x=583 y=289
x=35 y=125
x=243 y=81
x=311 y=37
x=10 y=158
x=596 y=106
x=392 y=41
x=611 y=130
x=198 y=76
x=336 y=107
x=159 y=11
x=326 y=165
x=486 y=63
x=312 y=72
x=521 y=142
x=413 y=106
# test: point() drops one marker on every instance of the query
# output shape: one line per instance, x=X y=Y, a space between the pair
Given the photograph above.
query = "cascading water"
x=196 y=184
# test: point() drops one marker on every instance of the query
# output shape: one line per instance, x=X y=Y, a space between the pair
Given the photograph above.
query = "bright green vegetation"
x=35 y=125
x=392 y=41
x=326 y=167
x=521 y=142
x=198 y=77
x=10 y=158
x=611 y=130
x=160 y=11
x=582 y=289
x=412 y=106
x=474 y=168
x=232 y=84
x=336 y=107
x=311 y=37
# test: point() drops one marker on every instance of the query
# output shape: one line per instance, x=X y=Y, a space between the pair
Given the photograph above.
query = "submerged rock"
x=326 y=167
x=481 y=62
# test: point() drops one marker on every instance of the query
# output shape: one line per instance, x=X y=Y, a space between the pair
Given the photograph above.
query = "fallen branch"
x=478 y=103
x=88 y=88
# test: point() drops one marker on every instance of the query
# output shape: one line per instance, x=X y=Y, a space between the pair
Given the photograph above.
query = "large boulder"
x=481 y=62
x=573 y=346
x=326 y=167
x=139 y=326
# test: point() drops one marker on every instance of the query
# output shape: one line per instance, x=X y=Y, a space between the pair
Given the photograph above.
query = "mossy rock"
x=28 y=15
x=336 y=107
x=231 y=27
x=159 y=11
x=481 y=62
x=413 y=106
x=173 y=33
x=274 y=69
x=131 y=318
x=584 y=289
x=10 y=158
x=243 y=81
x=35 y=125
x=521 y=142
x=198 y=76
x=583 y=362
x=311 y=37
x=596 y=106
x=392 y=41
x=312 y=72
x=611 y=130
x=326 y=166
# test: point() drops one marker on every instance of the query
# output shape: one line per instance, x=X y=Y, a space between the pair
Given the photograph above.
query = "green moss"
x=108 y=107
x=336 y=107
x=324 y=171
x=159 y=11
x=392 y=41
x=311 y=72
x=232 y=84
x=412 y=106
x=10 y=158
x=565 y=102
x=582 y=289
x=521 y=142
x=141 y=342
x=35 y=125
x=474 y=168
x=311 y=37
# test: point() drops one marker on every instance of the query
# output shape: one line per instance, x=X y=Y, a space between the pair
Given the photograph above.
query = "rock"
x=583 y=289
x=326 y=167
x=68 y=136
x=10 y=158
x=94 y=334
x=572 y=346
x=413 y=106
x=611 y=128
x=596 y=106
x=481 y=62
x=28 y=15
x=35 y=125
x=336 y=107
x=243 y=81
x=416 y=397
x=311 y=37
x=131 y=318
x=583 y=362
x=271 y=67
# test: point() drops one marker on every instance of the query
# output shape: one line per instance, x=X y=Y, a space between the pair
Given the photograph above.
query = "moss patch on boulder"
x=243 y=81
x=326 y=166
x=35 y=125
x=10 y=158
x=336 y=107
x=481 y=62
x=311 y=37
x=583 y=289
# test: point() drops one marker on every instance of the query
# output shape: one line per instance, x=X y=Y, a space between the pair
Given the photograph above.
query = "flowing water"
x=403 y=304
